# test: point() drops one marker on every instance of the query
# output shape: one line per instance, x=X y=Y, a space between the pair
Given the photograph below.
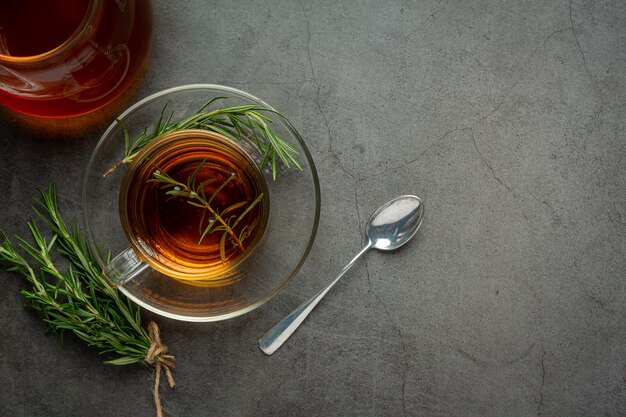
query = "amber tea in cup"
x=193 y=204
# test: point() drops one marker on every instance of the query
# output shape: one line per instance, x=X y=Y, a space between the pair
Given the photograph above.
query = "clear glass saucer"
x=292 y=224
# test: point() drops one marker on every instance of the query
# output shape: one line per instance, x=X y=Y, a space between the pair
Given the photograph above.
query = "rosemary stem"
x=237 y=122
x=219 y=219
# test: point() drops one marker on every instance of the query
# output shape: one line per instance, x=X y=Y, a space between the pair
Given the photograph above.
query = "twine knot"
x=158 y=357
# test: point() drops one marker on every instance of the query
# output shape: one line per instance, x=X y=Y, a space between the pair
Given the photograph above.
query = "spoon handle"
x=277 y=335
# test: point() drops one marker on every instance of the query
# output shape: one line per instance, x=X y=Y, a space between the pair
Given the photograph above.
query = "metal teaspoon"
x=391 y=226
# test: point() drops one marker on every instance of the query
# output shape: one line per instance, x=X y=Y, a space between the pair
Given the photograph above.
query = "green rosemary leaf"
x=274 y=167
x=193 y=203
x=157 y=127
x=125 y=360
x=206 y=230
x=247 y=210
x=204 y=184
x=241 y=108
x=224 y=132
x=237 y=123
x=260 y=115
x=209 y=102
x=244 y=233
x=230 y=220
x=193 y=176
x=234 y=207
x=220 y=188
x=126 y=134
x=223 y=248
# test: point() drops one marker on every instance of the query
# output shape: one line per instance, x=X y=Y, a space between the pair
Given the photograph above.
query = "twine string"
x=158 y=357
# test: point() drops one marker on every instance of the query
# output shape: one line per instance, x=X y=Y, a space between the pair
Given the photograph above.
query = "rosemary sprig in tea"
x=220 y=221
x=235 y=122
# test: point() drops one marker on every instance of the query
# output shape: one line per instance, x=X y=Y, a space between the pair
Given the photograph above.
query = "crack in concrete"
x=356 y=203
x=405 y=370
x=489 y=364
x=569 y=237
x=594 y=82
x=543 y=381
x=555 y=215
x=488 y=165
x=432 y=15
x=524 y=65
x=422 y=25
x=579 y=272
x=317 y=97
x=418 y=157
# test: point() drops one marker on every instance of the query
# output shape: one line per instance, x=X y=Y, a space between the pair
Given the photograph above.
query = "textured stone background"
x=506 y=117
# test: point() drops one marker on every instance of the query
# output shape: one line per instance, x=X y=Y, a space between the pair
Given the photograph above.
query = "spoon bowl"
x=395 y=222
x=390 y=227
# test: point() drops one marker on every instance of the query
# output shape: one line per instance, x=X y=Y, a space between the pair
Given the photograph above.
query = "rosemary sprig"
x=79 y=300
x=220 y=221
x=235 y=122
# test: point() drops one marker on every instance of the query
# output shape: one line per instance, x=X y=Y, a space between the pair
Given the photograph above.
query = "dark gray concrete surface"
x=506 y=117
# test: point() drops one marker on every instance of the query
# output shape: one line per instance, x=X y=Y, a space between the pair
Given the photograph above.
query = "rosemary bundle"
x=80 y=300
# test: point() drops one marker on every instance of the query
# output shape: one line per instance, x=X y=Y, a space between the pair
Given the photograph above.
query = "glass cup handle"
x=124 y=267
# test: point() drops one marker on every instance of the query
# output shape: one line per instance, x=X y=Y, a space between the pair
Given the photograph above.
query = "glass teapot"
x=62 y=58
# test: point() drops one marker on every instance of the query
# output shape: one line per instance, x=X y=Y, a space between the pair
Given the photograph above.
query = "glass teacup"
x=193 y=205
